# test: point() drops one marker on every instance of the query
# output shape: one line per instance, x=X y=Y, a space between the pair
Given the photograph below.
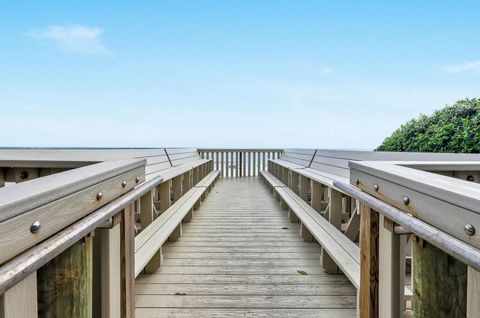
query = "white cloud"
x=472 y=66
x=326 y=70
x=75 y=38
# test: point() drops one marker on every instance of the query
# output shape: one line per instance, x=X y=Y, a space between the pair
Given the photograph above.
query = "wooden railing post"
x=147 y=216
x=127 y=251
x=164 y=194
x=20 y=301
x=391 y=273
x=369 y=227
x=177 y=187
x=65 y=283
x=473 y=293
x=304 y=187
x=293 y=181
x=334 y=216
x=435 y=270
x=317 y=196
x=187 y=181
x=107 y=270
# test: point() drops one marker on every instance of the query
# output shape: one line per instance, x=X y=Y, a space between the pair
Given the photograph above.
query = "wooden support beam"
x=305 y=233
x=317 y=196
x=196 y=206
x=20 y=301
x=65 y=283
x=391 y=266
x=292 y=216
x=164 y=195
x=293 y=181
x=353 y=226
x=127 y=252
x=188 y=217
x=107 y=272
x=335 y=218
x=369 y=227
x=187 y=181
x=304 y=187
x=176 y=233
x=147 y=216
x=435 y=271
x=2 y=177
x=177 y=187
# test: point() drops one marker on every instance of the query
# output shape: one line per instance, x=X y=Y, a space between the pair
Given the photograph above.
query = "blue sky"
x=326 y=74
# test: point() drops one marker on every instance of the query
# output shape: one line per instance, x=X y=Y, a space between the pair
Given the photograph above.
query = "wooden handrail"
x=449 y=244
x=16 y=269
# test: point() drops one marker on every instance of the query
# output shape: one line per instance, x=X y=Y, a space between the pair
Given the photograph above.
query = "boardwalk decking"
x=240 y=257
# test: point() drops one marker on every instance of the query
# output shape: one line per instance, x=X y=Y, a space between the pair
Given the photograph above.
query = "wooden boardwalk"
x=240 y=256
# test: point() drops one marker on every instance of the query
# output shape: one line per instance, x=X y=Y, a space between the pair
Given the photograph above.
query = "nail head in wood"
x=124 y=184
x=406 y=200
x=357 y=182
x=376 y=187
x=35 y=227
x=99 y=195
x=469 y=229
x=137 y=179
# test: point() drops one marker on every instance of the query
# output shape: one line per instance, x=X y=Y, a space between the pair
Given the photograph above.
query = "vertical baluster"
x=237 y=166
x=248 y=162
x=231 y=164
x=244 y=164
x=221 y=165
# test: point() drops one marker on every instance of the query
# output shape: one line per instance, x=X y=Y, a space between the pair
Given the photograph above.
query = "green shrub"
x=452 y=129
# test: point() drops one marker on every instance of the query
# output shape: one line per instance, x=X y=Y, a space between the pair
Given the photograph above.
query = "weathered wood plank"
x=186 y=301
x=246 y=312
x=65 y=283
x=127 y=250
x=56 y=215
x=20 y=301
x=260 y=256
x=368 y=302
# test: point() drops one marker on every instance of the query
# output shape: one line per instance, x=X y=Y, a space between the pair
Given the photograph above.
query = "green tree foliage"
x=452 y=129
